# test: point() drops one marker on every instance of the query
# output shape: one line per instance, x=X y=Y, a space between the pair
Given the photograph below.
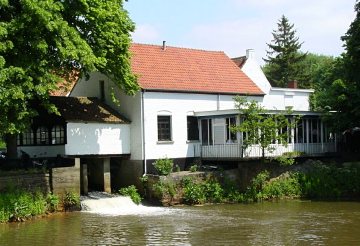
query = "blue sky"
x=236 y=25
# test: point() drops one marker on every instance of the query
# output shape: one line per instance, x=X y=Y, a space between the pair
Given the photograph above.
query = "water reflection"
x=282 y=223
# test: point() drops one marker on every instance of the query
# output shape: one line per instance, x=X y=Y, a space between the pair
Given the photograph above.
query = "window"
x=26 y=138
x=57 y=135
x=164 y=128
x=230 y=136
x=42 y=135
x=192 y=128
x=206 y=132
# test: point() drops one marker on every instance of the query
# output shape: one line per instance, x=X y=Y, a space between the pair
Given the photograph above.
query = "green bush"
x=163 y=166
x=165 y=188
x=213 y=191
x=193 y=168
x=53 y=202
x=282 y=187
x=132 y=192
x=19 y=205
x=194 y=192
x=71 y=201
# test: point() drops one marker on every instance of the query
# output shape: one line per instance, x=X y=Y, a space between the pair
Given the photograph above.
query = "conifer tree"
x=283 y=55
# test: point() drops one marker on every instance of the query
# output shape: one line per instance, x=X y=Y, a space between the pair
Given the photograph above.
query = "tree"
x=41 y=41
x=260 y=126
x=338 y=96
x=283 y=55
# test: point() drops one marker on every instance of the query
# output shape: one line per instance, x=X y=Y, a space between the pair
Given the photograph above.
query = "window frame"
x=192 y=129
x=160 y=129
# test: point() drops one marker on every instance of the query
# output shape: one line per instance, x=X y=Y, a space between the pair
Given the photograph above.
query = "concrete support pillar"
x=84 y=179
x=77 y=162
x=107 y=178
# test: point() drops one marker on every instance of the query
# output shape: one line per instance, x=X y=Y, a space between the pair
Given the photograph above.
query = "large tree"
x=283 y=55
x=41 y=41
x=339 y=94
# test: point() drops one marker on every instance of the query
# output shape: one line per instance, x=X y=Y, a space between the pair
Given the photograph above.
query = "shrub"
x=163 y=166
x=193 y=168
x=194 y=192
x=165 y=188
x=53 y=202
x=18 y=205
x=131 y=191
x=213 y=191
x=71 y=201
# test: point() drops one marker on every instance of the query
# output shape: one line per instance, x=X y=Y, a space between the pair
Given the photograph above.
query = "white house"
x=184 y=109
x=185 y=105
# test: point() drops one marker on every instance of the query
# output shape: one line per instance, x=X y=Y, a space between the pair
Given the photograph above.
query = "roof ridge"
x=178 y=47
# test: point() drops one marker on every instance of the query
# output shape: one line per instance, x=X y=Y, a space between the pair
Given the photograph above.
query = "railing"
x=235 y=150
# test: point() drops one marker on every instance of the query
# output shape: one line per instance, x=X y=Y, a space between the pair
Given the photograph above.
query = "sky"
x=233 y=26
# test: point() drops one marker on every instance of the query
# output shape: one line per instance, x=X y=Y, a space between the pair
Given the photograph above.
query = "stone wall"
x=27 y=181
x=65 y=179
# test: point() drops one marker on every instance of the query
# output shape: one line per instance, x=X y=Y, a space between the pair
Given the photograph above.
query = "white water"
x=106 y=204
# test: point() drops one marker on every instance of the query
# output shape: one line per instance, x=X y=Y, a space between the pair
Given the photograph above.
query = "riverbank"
x=309 y=180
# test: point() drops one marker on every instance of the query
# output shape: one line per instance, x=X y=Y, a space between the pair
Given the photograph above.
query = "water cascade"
x=107 y=204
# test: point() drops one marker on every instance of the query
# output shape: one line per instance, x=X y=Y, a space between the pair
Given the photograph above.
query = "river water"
x=268 y=223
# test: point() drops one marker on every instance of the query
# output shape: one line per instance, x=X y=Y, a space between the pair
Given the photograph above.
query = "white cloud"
x=145 y=33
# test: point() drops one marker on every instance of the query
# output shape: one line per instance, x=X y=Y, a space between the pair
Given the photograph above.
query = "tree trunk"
x=11 y=146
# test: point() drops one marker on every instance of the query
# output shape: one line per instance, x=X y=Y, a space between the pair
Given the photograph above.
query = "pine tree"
x=283 y=55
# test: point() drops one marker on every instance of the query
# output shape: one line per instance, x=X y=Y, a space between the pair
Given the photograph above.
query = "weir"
x=107 y=204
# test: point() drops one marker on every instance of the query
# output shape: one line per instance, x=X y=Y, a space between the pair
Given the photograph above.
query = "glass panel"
x=192 y=128
x=164 y=128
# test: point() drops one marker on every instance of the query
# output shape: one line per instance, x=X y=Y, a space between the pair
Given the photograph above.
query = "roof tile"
x=191 y=70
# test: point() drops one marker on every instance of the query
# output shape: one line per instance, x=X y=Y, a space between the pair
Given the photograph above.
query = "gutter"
x=143 y=131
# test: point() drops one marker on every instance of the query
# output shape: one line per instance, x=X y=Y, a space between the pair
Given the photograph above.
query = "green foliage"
x=19 y=205
x=165 y=188
x=288 y=158
x=338 y=95
x=193 y=168
x=132 y=192
x=283 y=55
x=53 y=202
x=43 y=41
x=177 y=168
x=71 y=201
x=261 y=127
x=194 y=192
x=330 y=182
x=282 y=187
x=163 y=166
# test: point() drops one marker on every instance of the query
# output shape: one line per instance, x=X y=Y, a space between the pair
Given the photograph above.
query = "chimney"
x=250 y=53
x=164 y=45
x=293 y=84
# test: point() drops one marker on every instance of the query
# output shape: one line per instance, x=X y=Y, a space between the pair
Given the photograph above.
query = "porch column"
x=84 y=179
x=107 y=182
x=307 y=135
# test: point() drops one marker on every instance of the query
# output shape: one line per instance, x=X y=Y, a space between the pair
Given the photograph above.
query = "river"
x=268 y=223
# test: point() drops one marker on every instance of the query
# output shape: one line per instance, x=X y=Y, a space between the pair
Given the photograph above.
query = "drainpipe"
x=143 y=131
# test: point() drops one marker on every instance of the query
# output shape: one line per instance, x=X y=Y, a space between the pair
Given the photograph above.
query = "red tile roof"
x=65 y=85
x=190 y=70
x=86 y=109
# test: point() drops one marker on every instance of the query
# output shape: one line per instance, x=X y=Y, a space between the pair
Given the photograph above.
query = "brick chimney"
x=293 y=84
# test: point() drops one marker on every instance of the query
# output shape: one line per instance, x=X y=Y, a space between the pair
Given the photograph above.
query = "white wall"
x=97 y=139
x=179 y=106
x=275 y=98
x=280 y=98
x=130 y=107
